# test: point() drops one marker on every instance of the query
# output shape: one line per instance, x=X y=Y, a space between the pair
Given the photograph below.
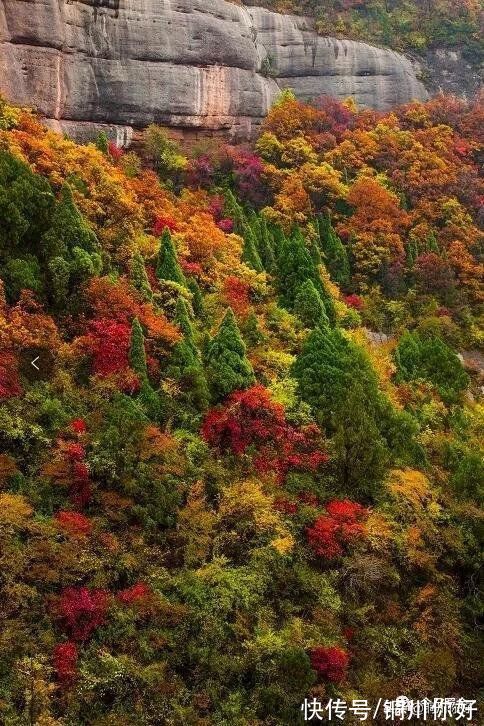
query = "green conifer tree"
x=335 y=255
x=266 y=246
x=252 y=333
x=139 y=278
x=326 y=366
x=360 y=454
x=309 y=307
x=295 y=266
x=137 y=354
x=234 y=210
x=183 y=322
x=250 y=254
x=185 y=364
x=408 y=357
x=68 y=229
x=102 y=142
x=167 y=267
x=227 y=366
x=197 y=298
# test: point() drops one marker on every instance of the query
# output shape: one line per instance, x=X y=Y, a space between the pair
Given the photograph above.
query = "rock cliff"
x=195 y=64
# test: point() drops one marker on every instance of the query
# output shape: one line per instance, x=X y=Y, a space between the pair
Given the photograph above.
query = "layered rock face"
x=183 y=63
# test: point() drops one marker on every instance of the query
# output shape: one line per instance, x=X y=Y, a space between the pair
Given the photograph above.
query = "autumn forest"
x=251 y=471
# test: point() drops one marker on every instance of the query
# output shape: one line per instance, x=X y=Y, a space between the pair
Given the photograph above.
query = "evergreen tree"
x=167 y=267
x=182 y=321
x=250 y=254
x=102 y=143
x=321 y=372
x=68 y=229
x=408 y=357
x=20 y=274
x=197 y=298
x=266 y=246
x=359 y=451
x=137 y=354
x=234 y=210
x=185 y=364
x=139 y=278
x=309 y=307
x=433 y=360
x=279 y=242
x=326 y=366
x=441 y=365
x=251 y=330
x=335 y=255
x=227 y=366
x=295 y=266
x=59 y=276
x=26 y=205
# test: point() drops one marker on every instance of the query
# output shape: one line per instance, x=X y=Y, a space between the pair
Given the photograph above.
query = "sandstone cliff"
x=201 y=64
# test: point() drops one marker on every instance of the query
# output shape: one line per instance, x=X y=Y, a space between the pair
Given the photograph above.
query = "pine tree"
x=336 y=257
x=234 y=210
x=433 y=360
x=360 y=455
x=251 y=330
x=408 y=357
x=295 y=266
x=197 y=298
x=68 y=229
x=183 y=322
x=266 y=247
x=321 y=372
x=167 y=267
x=227 y=366
x=309 y=307
x=250 y=254
x=139 y=278
x=137 y=355
x=185 y=364
x=326 y=366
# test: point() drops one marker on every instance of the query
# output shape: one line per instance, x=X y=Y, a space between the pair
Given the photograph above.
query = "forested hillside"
x=248 y=468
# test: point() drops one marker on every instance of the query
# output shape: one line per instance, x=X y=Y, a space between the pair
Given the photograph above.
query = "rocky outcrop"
x=182 y=63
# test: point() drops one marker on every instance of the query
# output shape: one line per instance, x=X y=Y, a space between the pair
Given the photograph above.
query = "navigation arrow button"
x=34 y=363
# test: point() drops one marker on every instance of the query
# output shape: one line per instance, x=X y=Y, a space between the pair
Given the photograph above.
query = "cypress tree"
x=250 y=254
x=295 y=266
x=185 y=364
x=137 y=355
x=279 y=241
x=197 y=298
x=266 y=247
x=182 y=321
x=336 y=257
x=321 y=371
x=227 y=366
x=68 y=229
x=234 y=210
x=408 y=357
x=360 y=455
x=309 y=307
x=59 y=276
x=432 y=360
x=326 y=366
x=139 y=278
x=167 y=267
x=251 y=331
